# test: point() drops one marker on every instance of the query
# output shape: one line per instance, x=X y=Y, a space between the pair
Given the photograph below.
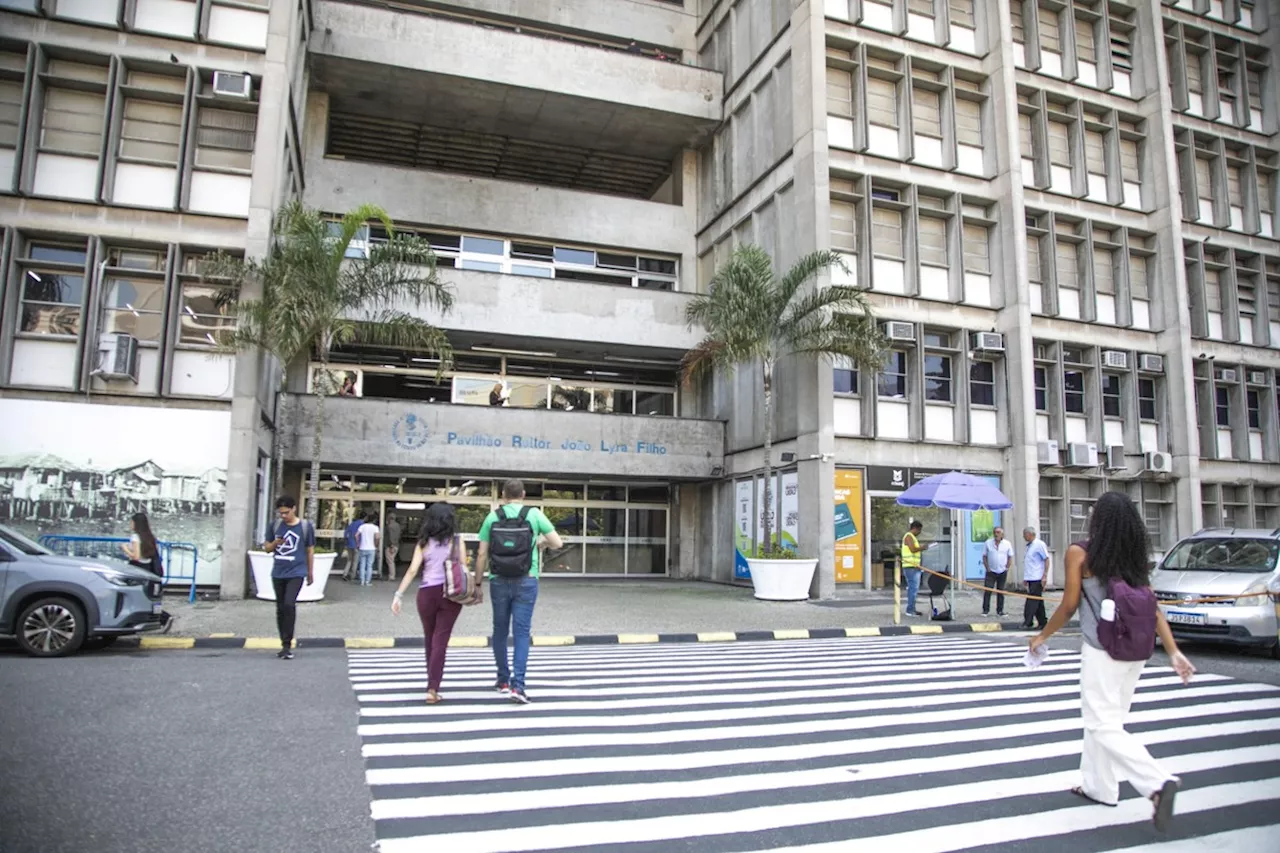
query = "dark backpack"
x=511 y=544
x=1131 y=636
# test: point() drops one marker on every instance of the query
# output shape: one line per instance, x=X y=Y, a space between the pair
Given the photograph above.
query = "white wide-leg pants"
x=1110 y=753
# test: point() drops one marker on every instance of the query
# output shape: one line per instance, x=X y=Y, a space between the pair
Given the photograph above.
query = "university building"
x=1064 y=212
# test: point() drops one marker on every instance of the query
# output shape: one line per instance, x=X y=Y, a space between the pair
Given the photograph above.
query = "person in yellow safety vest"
x=911 y=550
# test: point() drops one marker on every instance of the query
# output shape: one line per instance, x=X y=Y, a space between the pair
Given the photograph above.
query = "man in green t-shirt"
x=509 y=541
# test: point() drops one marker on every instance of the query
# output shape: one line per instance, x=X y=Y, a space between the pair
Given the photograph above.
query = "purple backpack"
x=1131 y=636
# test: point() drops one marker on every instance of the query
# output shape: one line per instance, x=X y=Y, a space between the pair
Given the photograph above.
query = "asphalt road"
x=191 y=751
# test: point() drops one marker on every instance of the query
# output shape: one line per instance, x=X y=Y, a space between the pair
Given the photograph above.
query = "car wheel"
x=51 y=627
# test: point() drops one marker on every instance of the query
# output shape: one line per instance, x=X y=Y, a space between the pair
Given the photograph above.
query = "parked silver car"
x=1221 y=562
x=52 y=605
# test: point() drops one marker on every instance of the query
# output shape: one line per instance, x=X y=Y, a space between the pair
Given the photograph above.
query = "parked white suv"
x=1222 y=562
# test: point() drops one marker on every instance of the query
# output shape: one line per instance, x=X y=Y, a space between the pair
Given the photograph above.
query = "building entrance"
x=608 y=528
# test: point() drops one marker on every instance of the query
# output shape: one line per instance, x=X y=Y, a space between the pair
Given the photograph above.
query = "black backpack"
x=511 y=544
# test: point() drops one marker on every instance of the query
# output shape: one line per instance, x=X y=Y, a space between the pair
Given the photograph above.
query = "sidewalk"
x=573 y=606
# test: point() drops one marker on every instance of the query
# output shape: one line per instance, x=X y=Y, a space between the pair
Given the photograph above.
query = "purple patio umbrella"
x=955 y=490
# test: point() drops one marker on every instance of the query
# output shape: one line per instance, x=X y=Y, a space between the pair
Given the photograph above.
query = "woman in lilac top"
x=438 y=614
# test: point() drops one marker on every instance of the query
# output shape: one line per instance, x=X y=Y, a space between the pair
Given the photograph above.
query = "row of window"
x=1065 y=504
x=1090 y=43
x=1238 y=411
x=951 y=23
x=242 y=23
x=1227 y=185
x=528 y=258
x=1217 y=77
x=127 y=132
x=1235 y=505
x=1227 y=292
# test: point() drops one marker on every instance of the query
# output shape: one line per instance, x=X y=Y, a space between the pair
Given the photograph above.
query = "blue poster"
x=977 y=530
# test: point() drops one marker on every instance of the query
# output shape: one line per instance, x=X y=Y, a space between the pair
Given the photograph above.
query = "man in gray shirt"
x=394 y=532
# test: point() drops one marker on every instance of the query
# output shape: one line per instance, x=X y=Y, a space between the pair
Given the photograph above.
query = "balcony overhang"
x=429 y=71
x=498 y=441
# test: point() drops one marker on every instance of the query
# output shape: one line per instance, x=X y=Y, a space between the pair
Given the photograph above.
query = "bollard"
x=897 y=591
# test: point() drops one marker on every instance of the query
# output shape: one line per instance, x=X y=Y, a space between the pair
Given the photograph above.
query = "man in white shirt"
x=368 y=538
x=1035 y=568
x=997 y=559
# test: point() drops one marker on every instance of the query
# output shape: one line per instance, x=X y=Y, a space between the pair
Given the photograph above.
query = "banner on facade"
x=848 y=526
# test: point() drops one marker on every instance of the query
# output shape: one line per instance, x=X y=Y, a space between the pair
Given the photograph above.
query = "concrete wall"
x=563 y=310
x=406 y=434
x=458 y=49
x=644 y=21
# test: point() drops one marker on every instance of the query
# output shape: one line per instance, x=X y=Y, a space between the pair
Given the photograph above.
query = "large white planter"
x=260 y=562
x=782 y=580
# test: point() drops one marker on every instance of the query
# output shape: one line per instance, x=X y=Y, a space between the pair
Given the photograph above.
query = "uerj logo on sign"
x=410 y=432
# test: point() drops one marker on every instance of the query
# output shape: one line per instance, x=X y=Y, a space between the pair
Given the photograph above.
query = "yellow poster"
x=849 y=554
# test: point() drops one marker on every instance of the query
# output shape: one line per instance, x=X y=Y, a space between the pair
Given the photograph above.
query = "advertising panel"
x=743 y=510
x=849 y=526
x=978 y=527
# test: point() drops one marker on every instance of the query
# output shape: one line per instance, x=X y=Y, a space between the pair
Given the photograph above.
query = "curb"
x=225 y=641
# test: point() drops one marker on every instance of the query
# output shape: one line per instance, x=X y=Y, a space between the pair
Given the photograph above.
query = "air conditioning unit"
x=1115 y=458
x=895 y=330
x=118 y=357
x=1225 y=374
x=1149 y=363
x=1157 y=461
x=986 y=342
x=1082 y=455
x=232 y=84
x=1119 y=359
x=1257 y=377
x=1047 y=452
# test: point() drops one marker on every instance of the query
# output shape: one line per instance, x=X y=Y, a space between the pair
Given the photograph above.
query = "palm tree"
x=313 y=298
x=752 y=315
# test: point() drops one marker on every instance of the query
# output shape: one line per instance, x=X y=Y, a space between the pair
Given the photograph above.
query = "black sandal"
x=1079 y=792
x=1163 y=800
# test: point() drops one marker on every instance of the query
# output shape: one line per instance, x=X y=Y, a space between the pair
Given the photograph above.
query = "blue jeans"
x=913 y=586
x=513 y=600
x=366 y=565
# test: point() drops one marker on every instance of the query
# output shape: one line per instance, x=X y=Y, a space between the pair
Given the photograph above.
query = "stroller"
x=938 y=586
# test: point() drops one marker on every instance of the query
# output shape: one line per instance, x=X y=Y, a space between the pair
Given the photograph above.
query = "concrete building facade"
x=1062 y=319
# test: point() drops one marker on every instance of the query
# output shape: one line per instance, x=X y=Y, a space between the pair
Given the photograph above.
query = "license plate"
x=1177 y=617
x=157 y=606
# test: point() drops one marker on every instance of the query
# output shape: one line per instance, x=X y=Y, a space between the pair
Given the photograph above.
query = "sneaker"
x=502 y=687
x=519 y=696
x=986 y=613
x=280 y=654
x=288 y=655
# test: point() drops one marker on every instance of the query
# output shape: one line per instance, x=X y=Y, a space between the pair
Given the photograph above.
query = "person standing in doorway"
x=510 y=539
x=293 y=550
x=394 y=532
x=1035 y=567
x=1118 y=549
x=143 y=551
x=352 y=569
x=911 y=550
x=368 y=538
x=997 y=559
x=438 y=542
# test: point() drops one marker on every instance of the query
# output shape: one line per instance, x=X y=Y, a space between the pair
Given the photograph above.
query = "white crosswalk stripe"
x=941 y=743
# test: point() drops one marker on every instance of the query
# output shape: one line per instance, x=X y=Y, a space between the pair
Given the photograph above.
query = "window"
x=1095 y=152
x=1253 y=404
x=224 y=139
x=51 y=302
x=845 y=377
x=1073 y=390
x=977 y=256
x=1046 y=523
x=72 y=122
x=839 y=92
x=926 y=112
x=962 y=13
x=1111 y=395
x=1146 y=399
x=1050 y=38
x=1019 y=28
x=969 y=122
x=982 y=383
x=1253 y=80
x=1130 y=170
x=1222 y=405
x=1059 y=144
x=1068 y=265
x=1138 y=286
x=886 y=233
x=134 y=307
x=207 y=313
x=10 y=112
x=1235 y=193
x=891 y=382
x=1086 y=47
x=1041 y=379
x=151 y=131
x=844 y=229
x=1194 y=64
x=1204 y=182
x=920 y=7
x=882 y=102
x=1026 y=140
x=933 y=241
x=937 y=378
x=1246 y=299
x=1035 y=270
x=1104 y=280
x=1212 y=292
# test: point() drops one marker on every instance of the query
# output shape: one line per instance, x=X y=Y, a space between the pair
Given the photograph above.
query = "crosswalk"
x=928 y=744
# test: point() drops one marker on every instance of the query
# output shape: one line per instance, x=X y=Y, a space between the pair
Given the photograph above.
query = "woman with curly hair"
x=1118 y=548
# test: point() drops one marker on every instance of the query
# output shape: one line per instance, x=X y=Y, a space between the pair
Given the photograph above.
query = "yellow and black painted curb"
x=229 y=641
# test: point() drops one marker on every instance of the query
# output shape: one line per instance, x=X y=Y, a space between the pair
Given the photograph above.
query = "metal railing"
x=90 y=547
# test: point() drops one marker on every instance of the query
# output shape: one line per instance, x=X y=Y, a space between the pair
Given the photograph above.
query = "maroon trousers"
x=438 y=615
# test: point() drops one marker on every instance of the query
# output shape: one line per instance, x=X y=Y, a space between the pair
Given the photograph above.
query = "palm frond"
x=803 y=271
x=397 y=330
x=400 y=271
x=856 y=337
x=350 y=226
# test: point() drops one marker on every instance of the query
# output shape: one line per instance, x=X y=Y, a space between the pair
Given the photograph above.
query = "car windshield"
x=1226 y=554
x=21 y=543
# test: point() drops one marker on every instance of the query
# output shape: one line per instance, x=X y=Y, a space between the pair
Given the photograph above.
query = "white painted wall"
x=875 y=15
x=1105 y=305
x=892 y=419
x=1050 y=63
x=1042 y=427
x=883 y=141
x=1224 y=444
x=1037 y=299
x=939 y=422
x=850 y=278
x=1121 y=83
x=888 y=276
x=60 y=176
x=1088 y=74
x=848 y=416
x=839 y=132
x=7 y=158
x=238 y=26
x=224 y=195
x=1215 y=325
x=1133 y=195
x=983 y=428
x=1149 y=435
x=977 y=289
x=202 y=374
x=969 y=159
x=139 y=185
x=1077 y=430
x=963 y=38
x=1255 y=446
x=920 y=27
x=173 y=17
x=838 y=9
x=95 y=11
x=1097 y=187
x=1141 y=313
x=1069 y=304
x=928 y=150
x=1112 y=432
x=43 y=363
x=1060 y=179
x=934 y=284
